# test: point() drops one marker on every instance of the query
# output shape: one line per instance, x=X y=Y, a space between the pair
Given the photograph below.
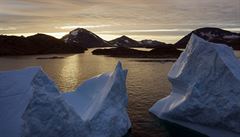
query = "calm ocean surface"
x=146 y=81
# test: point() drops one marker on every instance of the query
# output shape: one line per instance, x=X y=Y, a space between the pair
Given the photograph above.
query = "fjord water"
x=146 y=81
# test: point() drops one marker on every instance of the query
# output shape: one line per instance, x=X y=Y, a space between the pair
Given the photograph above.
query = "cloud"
x=82 y=26
x=7 y=28
x=99 y=15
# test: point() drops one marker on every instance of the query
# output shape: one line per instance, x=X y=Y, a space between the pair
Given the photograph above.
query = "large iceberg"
x=101 y=103
x=205 y=90
x=31 y=105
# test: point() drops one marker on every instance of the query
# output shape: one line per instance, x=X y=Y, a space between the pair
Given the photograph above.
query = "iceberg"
x=102 y=107
x=205 y=90
x=32 y=105
x=15 y=94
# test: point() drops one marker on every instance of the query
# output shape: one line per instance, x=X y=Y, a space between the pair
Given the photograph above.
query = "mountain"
x=214 y=35
x=83 y=38
x=35 y=44
x=152 y=43
x=124 y=41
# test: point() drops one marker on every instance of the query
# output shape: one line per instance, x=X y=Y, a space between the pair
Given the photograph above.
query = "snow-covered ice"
x=31 y=105
x=15 y=94
x=103 y=106
x=205 y=90
x=48 y=114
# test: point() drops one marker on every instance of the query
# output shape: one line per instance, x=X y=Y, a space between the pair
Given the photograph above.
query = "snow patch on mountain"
x=74 y=32
x=231 y=37
x=209 y=35
x=65 y=40
x=126 y=41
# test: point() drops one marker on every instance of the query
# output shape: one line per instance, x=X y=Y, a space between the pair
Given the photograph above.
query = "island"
x=159 y=52
x=51 y=57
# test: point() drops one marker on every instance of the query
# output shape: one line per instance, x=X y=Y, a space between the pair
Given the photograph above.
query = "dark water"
x=146 y=82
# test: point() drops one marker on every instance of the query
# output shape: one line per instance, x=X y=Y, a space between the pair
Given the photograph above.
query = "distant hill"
x=83 y=38
x=152 y=43
x=80 y=39
x=36 y=44
x=124 y=41
x=215 y=35
x=159 y=52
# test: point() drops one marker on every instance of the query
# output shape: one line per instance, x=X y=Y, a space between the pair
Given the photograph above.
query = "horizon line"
x=110 y=35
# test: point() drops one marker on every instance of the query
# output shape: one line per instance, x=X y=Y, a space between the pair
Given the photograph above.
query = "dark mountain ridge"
x=215 y=35
x=79 y=39
x=83 y=38
x=35 y=44
x=124 y=41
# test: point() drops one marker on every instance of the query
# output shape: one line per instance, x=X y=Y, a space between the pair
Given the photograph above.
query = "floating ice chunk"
x=48 y=114
x=15 y=94
x=205 y=90
x=31 y=105
x=103 y=107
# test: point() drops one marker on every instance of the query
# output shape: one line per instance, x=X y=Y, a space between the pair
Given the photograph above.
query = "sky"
x=165 y=20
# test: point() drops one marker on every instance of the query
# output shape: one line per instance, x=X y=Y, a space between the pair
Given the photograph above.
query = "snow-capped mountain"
x=84 y=38
x=124 y=41
x=215 y=35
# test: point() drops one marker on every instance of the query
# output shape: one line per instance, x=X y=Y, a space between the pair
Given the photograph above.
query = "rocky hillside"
x=124 y=41
x=83 y=38
x=214 y=35
x=36 y=44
